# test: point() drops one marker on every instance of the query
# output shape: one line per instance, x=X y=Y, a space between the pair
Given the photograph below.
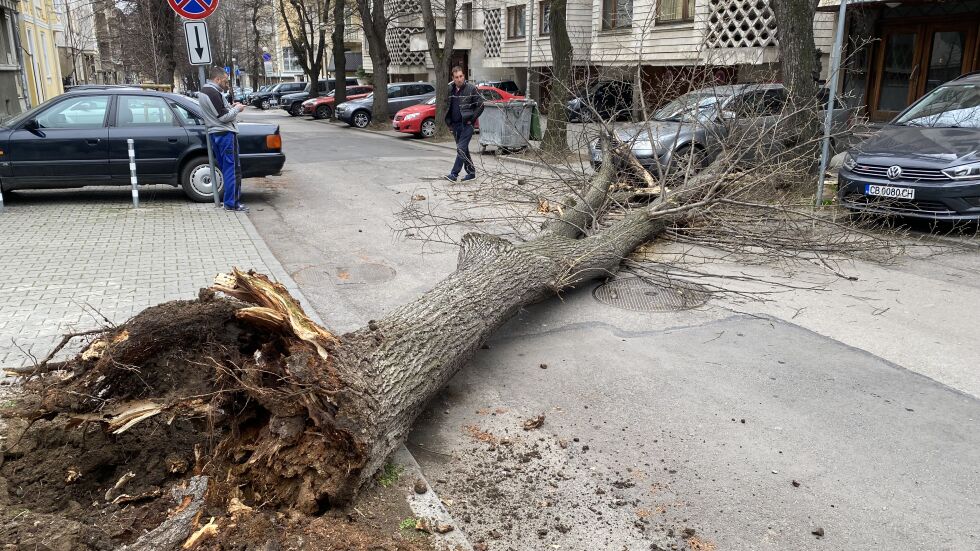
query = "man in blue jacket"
x=220 y=120
x=464 y=105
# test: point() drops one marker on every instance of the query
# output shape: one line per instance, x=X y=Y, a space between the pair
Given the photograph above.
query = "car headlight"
x=411 y=116
x=964 y=172
x=849 y=162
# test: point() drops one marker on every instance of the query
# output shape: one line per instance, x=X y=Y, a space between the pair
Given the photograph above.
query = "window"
x=617 y=14
x=396 y=91
x=763 y=103
x=80 y=112
x=187 y=117
x=290 y=62
x=466 y=16
x=143 y=111
x=671 y=11
x=544 y=18
x=515 y=22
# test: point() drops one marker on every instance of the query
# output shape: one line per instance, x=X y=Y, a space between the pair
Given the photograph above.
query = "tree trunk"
x=556 y=134
x=339 y=57
x=375 y=25
x=442 y=57
x=800 y=65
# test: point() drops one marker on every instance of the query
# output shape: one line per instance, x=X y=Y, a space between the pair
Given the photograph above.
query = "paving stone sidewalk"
x=71 y=260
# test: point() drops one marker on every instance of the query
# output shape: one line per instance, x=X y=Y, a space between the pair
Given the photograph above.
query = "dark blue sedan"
x=79 y=139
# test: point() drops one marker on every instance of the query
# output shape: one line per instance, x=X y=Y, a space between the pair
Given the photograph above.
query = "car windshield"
x=690 y=107
x=953 y=106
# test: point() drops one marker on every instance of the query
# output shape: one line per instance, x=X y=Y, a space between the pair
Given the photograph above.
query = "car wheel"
x=428 y=128
x=323 y=112
x=196 y=180
x=361 y=119
x=265 y=105
x=295 y=110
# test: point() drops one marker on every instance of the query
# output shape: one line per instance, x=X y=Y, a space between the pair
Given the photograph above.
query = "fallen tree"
x=242 y=390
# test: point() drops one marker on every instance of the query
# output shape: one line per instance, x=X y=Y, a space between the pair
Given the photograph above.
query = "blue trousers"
x=463 y=134
x=224 y=145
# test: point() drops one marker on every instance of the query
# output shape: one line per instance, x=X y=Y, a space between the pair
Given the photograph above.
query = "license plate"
x=597 y=155
x=891 y=192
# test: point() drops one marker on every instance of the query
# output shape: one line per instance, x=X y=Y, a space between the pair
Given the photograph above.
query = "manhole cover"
x=647 y=296
x=352 y=274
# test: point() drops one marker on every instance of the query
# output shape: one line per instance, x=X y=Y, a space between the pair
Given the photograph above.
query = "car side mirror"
x=32 y=125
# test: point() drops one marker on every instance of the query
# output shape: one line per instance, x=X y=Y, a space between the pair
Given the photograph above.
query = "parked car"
x=508 y=86
x=322 y=107
x=80 y=139
x=421 y=119
x=293 y=103
x=270 y=98
x=606 y=99
x=241 y=94
x=358 y=112
x=690 y=130
x=263 y=88
x=925 y=163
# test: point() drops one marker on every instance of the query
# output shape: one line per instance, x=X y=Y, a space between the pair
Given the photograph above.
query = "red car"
x=421 y=119
x=322 y=107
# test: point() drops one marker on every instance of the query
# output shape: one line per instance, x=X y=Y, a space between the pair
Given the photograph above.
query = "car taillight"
x=273 y=141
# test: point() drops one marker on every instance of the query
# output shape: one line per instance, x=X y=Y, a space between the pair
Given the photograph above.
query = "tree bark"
x=800 y=65
x=339 y=56
x=556 y=134
x=375 y=24
x=442 y=57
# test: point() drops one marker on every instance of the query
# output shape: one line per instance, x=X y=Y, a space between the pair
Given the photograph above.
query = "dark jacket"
x=219 y=115
x=470 y=103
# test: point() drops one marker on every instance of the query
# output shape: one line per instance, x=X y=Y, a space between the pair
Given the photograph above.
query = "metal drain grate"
x=646 y=296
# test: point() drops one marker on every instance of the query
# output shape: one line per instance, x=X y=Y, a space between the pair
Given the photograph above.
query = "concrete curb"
x=427 y=505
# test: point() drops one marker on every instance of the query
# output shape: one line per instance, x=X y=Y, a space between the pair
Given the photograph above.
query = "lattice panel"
x=491 y=33
x=399 y=8
x=740 y=24
x=398 y=39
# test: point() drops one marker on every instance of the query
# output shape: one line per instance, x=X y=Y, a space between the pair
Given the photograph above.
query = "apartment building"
x=13 y=84
x=284 y=64
x=38 y=24
x=78 y=52
x=898 y=51
x=733 y=40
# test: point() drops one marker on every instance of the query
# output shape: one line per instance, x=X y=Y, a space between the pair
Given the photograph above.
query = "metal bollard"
x=132 y=174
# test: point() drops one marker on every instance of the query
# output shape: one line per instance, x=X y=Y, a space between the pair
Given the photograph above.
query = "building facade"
x=13 y=85
x=656 y=41
x=38 y=25
x=78 y=53
x=898 y=51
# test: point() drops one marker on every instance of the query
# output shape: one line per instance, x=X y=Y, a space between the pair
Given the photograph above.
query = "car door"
x=158 y=139
x=64 y=145
x=396 y=98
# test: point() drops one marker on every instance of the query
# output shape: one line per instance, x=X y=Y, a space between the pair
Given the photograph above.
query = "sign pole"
x=207 y=140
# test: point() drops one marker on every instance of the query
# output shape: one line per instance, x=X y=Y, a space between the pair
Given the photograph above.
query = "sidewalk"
x=79 y=259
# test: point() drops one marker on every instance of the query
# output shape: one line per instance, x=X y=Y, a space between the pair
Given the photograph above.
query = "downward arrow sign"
x=197 y=41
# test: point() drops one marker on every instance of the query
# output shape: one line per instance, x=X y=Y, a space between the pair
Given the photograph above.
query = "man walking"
x=220 y=121
x=464 y=107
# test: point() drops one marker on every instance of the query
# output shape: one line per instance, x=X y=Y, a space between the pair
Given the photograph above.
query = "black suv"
x=925 y=163
x=606 y=99
x=293 y=103
x=269 y=98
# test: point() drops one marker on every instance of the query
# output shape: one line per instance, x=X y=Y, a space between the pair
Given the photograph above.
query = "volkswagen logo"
x=894 y=172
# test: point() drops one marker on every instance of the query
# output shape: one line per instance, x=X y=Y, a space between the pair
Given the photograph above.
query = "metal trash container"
x=506 y=125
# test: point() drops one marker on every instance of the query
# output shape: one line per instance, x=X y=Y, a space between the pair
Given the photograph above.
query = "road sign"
x=193 y=9
x=267 y=57
x=198 y=45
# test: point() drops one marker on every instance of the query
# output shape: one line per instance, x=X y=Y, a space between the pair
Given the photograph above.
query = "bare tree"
x=306 y=26
x=375 y=24
x=340 y=10
x=800 y=64
x=556 y=134
x=442 y=56
x=149 y=23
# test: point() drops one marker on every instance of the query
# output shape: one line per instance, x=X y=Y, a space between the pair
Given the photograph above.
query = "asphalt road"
x=845 y=418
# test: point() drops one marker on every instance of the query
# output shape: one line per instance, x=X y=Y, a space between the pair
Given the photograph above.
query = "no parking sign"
x=194 y=9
